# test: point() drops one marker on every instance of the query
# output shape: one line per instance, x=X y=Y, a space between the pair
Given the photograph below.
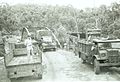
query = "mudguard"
x=97 y=57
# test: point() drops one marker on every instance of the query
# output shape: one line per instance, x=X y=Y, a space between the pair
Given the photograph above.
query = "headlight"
x=103 y=54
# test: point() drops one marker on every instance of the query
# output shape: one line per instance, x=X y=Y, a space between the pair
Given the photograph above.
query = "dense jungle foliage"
x=61 y=19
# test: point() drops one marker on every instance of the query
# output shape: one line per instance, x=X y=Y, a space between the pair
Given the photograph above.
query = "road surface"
x=64 y=66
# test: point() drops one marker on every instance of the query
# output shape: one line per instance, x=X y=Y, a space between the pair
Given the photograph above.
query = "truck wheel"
x=83 y=61
x=76 y=53
x=79 y=53
x=40 y=76
x=54 y=49
x=96 y=66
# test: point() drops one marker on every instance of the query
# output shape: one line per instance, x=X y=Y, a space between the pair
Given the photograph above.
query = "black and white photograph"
x=59 y=40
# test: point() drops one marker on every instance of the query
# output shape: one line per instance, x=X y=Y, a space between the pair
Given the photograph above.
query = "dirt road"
x=65 y=66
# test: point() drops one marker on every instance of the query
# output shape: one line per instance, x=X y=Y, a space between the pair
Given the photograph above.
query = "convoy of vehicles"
x=14 y=51
x=46 y=39
x=89 y=46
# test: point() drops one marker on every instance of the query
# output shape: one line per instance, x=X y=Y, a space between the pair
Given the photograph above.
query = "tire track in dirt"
x=84 y=72
x=49 y=69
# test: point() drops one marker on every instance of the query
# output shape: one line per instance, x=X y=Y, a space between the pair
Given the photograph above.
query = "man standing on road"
x=28 y=43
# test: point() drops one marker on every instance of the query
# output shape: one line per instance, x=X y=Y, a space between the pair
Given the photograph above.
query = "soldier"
x=94 y=49
x=28 y=43
x=40 y=43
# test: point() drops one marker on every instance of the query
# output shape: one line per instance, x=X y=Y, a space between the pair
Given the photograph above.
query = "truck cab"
x=106 y=53
x=46 y=39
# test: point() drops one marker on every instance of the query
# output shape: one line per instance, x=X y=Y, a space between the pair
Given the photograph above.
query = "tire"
x=83 y=61
x=96 y=66
x=79 y=53
x=39 y=76
x=76 y=53
x=54 y=49
x=44 y=50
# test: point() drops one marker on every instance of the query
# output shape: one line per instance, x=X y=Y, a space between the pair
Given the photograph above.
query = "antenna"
x=96 y=16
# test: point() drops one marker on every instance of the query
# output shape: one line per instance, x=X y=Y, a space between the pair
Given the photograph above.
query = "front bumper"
x=111 y=61
x=110 y=64
x=49 y=47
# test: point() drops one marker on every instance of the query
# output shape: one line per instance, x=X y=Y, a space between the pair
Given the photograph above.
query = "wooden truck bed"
x=24 y=60
x=21 y=67
x=18 y=64
x=3 y=72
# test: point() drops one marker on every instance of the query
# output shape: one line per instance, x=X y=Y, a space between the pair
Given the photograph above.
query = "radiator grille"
x=113 y=59
x=113 y=56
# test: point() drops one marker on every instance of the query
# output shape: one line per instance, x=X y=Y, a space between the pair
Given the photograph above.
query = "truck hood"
x=113 y=52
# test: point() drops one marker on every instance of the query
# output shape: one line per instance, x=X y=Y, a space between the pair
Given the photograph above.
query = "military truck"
x=85 y=37
x=46 y=39
x=101 y=52
x=104 y=53
x=17 y=62
x=72 y=40
x=84 y=44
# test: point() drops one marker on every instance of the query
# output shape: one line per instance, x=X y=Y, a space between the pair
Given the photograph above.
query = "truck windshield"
x=109 y=45
x=47 y=38
x=44 y=33
x=115 y=45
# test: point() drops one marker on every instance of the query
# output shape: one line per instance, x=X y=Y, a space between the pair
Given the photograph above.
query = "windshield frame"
x=109 y=45
x=44 y=33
